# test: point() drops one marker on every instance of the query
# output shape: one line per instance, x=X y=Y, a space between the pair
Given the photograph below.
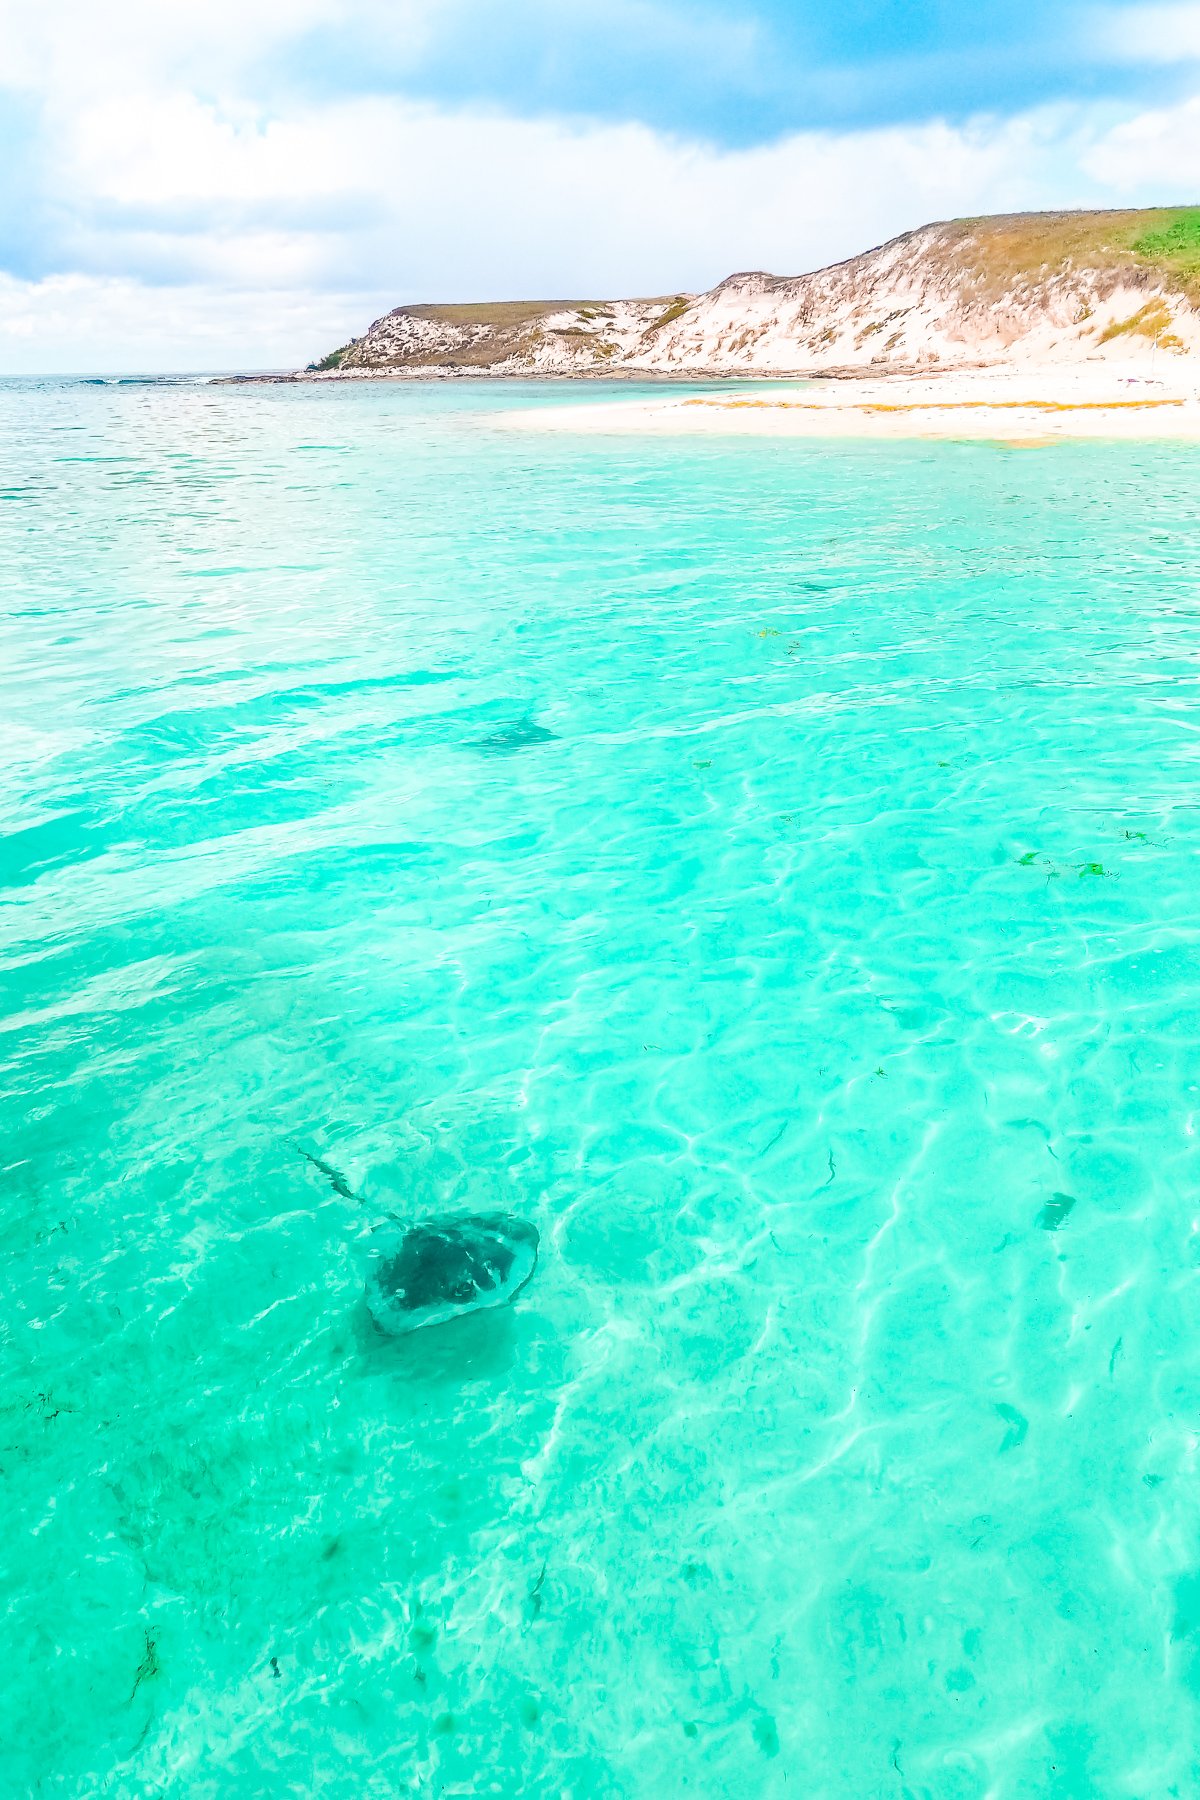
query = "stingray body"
x=443 y=1268
x=507 y=739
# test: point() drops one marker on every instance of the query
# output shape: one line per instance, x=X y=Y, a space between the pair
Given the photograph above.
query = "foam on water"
x=814 y=966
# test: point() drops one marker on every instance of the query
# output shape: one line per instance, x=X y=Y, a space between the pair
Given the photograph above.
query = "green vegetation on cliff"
x=1174 y=246
x=332 y=361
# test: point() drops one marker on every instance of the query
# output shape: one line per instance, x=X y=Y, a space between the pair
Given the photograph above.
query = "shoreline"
x=622 y=374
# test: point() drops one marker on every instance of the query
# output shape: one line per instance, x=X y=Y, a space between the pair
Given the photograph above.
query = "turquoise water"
x=824 y=988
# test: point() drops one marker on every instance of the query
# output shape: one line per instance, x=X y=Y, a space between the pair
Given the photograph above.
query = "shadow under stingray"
x=480 y=1346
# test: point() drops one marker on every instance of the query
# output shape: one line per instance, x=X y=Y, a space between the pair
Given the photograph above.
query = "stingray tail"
x=334 y=1177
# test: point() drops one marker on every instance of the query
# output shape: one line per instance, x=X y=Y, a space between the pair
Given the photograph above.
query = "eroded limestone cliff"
x=1032 y=287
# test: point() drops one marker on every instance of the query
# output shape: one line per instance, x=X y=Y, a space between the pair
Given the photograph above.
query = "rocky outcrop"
x=1041 y=287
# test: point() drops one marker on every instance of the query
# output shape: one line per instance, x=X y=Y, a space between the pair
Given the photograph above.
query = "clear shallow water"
x=846 y=923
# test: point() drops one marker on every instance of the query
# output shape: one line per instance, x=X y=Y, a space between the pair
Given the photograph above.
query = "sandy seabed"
x=1034 y=404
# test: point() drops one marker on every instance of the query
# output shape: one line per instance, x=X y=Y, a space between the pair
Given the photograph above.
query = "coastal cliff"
x=1017 y=288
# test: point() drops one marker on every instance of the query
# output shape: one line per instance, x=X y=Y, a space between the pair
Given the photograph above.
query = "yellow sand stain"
x=909 y=406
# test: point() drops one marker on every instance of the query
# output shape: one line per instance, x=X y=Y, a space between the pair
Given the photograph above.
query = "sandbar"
x=1030 y=404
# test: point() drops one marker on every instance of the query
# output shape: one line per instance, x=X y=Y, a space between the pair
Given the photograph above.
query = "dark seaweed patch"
x=1017 y=1424
x=148 y=1668
x=1054 y=1214
x=766 y=1734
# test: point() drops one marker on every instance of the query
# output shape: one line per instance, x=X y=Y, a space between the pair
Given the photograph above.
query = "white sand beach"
x=1031 y=403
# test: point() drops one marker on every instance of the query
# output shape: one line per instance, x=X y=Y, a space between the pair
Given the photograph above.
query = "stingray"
x=443 y=1268
x=507 y=739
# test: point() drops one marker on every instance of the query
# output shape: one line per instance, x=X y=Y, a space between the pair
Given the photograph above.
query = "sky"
x=242 y=184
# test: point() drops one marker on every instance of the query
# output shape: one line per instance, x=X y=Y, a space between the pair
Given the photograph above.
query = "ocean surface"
x=771 y=869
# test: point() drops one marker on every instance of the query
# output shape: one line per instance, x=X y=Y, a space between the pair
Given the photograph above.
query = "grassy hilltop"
x=1006 y=248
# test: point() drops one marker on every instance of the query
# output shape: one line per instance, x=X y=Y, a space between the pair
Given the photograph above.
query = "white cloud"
x=1157 y=153
x=78 y=324
x=63 y=48
x=470 y=204
x=1149 y=34
x=174 y=150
